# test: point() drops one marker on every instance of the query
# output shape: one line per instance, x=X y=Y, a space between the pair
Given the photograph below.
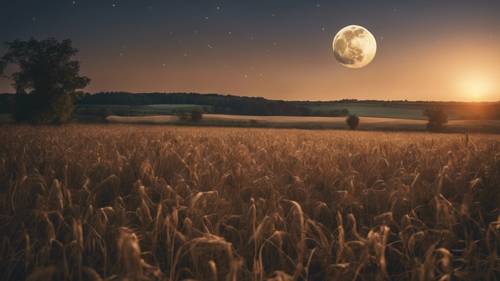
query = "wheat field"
x=119 y=202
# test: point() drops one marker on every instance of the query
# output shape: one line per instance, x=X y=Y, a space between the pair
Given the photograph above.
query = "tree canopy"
x=437 y=118
x=352 y=121
x=46 y=78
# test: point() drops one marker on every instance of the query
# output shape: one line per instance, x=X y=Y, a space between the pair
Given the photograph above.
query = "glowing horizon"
x=443 y=52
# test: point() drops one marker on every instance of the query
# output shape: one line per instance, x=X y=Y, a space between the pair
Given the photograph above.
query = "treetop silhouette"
x=46 y=79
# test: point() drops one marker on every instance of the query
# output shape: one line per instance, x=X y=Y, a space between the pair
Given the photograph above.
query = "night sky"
x=279 y=49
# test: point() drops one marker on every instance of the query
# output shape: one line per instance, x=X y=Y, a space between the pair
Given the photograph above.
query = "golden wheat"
x=84 y=202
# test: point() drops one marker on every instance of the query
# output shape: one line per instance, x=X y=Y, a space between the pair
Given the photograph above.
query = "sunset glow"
x=477 y=88
x=277 y=50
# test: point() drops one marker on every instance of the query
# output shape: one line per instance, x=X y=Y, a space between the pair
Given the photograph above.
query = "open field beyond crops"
x=120 y=202
x=301 y=122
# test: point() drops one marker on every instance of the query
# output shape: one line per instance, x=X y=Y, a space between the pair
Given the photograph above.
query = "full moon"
x=354 y=46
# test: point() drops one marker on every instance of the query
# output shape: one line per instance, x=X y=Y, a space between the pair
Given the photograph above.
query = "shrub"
x=352 y=121
x=182 y=115
x=196 y=115
x=437 y=118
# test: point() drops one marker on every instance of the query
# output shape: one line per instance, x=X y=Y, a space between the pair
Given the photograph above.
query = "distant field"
x=367 y=123
x=398 y=110
x=363 y=109
x=374 y=110
x=299 y=122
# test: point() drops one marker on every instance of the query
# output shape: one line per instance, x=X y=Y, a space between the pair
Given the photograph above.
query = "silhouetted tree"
x=46 y=81
x=352 y=121
x=437 y=118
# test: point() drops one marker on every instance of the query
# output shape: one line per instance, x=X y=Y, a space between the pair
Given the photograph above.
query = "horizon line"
x=285 y=100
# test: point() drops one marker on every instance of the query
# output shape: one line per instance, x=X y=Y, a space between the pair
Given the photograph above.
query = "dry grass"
x=151 y=203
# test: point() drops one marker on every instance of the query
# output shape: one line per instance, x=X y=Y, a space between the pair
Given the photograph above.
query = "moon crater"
x=354 y=46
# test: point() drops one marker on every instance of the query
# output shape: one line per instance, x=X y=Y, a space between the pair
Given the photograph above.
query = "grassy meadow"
x=128 y=202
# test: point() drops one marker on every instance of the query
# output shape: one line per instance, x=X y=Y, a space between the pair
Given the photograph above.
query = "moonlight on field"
x=354 y=46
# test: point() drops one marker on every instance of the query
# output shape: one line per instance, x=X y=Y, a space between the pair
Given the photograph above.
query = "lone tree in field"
x=46 y=80
x=352 y=121
x=196 y=115
x=437 y=118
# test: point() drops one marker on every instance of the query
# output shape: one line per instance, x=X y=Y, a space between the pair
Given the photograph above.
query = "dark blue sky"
x=272 y=48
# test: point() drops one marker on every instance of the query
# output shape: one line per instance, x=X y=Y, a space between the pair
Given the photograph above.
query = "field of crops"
x=124 y=202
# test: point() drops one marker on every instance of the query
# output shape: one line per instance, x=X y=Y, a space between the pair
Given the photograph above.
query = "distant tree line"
x=221 y=104
x=228 y=104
